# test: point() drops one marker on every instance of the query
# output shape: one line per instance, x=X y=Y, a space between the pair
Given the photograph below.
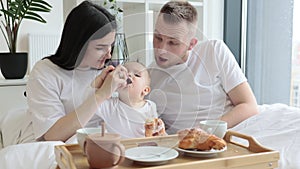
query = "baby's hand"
x=155 y=127
x=160 y=129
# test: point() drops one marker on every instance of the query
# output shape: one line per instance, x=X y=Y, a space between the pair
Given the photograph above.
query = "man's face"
x=171 y=43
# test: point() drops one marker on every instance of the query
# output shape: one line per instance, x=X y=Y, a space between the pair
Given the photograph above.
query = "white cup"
x=215 y=127
x=83 y=132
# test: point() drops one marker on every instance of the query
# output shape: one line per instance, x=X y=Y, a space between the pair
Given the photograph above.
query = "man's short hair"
x=178 y=11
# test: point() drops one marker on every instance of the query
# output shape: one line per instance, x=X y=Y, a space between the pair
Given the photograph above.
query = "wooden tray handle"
x=64 y=158
x=253 y=145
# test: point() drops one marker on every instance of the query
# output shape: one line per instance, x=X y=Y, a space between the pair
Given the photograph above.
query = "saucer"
x=198 y=153
x=151 y=155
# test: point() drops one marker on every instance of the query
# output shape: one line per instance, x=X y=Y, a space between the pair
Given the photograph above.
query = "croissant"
x=198 y=139
x=154 y=127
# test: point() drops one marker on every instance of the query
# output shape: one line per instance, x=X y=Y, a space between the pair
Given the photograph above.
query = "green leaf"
x=40 y=6
x=42 y=2
x=120 y=10
x=13 y=4
x=24 y=9
x=8 y=13
x=38 y=9
x=34 y=16
x=14 y=11
x=38 y=19
x=27 y=4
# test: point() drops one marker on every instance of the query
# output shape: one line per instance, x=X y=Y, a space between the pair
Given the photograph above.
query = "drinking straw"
x=102 y=129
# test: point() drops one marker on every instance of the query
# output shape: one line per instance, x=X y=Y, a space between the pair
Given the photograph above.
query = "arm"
x=107 y=82
x=66 y=126
x=244 y=103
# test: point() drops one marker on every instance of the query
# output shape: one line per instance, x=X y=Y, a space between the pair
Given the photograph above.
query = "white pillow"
x=15 y=127
x=38 y=155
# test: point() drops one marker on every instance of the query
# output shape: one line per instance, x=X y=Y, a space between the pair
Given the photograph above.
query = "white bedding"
x=38 y=155
x=276 y=127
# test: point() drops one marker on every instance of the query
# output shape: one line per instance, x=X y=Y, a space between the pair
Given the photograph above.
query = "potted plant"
x=12 y=12
x=119 y=51
x=113 y=7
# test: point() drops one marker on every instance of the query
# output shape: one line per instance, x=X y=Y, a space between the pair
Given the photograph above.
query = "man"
x=194 y=81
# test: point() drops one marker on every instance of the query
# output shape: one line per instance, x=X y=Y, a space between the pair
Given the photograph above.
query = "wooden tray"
x=237 y=156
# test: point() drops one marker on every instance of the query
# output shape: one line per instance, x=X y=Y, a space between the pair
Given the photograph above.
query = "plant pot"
x=13 y=65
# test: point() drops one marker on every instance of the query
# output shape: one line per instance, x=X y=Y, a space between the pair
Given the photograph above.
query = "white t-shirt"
x=125 y=120
x=196 y=90
x=52 y=92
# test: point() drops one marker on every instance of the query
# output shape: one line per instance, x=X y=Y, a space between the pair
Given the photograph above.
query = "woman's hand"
x=110 y=80
x=97 y=83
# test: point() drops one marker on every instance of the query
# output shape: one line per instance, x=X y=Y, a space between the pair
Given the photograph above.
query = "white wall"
x=213 y=19
x=54 y=25
x=68 y=6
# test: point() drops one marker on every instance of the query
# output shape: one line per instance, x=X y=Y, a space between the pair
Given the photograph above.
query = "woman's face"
x=98 y=51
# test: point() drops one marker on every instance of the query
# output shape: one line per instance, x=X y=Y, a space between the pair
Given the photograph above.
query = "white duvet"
x=39 y=155
x=276 y=127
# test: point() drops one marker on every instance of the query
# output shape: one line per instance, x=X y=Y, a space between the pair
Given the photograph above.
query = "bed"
x=276 y=127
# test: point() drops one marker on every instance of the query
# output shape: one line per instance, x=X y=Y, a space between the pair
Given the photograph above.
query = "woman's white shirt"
x=52 y=92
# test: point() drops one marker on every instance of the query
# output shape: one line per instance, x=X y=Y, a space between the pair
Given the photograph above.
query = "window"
x=264 y=36
x=269 y=49
x=295 y=95
x=295 y=80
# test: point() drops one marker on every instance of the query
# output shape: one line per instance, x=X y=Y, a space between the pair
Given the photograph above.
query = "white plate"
x=197 y=153
x=151 y=155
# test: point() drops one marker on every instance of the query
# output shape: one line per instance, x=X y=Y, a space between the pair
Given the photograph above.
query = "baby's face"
x=138 y=74
x=140 y=79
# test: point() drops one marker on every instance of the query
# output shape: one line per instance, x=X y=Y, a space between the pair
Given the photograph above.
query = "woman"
x=65 y=89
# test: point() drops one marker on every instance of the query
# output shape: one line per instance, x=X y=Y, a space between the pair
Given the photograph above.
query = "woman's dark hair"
x=85 y=22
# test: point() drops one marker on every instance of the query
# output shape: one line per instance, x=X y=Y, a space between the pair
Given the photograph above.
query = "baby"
x=127 y=114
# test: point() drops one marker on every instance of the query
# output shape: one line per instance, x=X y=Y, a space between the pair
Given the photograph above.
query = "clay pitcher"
x=104 y=151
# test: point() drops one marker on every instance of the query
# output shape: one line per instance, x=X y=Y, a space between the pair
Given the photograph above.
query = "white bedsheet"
x=276 y=127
